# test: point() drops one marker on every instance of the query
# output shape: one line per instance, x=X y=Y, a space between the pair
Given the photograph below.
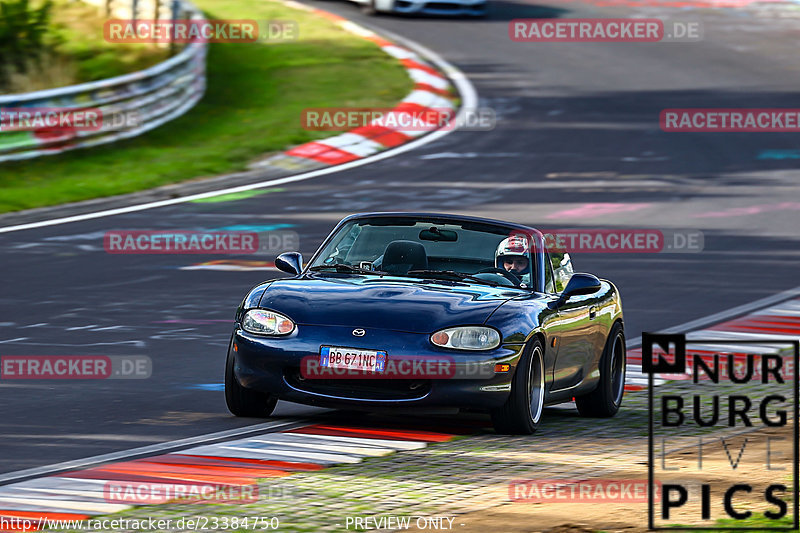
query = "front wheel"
x=241 y=401
x=605 y=400
x=522 y=411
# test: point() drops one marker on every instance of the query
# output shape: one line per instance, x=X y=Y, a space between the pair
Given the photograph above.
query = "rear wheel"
x=241 y=401
x=523 y=410
x=605 y=400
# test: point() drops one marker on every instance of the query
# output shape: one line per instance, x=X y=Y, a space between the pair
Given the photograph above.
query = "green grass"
x=252 y=106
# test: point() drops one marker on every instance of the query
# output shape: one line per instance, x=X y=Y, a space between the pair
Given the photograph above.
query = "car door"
x=572 y=327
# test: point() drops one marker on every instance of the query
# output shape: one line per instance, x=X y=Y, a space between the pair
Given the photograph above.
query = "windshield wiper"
x=451 y=274
x=350 y=269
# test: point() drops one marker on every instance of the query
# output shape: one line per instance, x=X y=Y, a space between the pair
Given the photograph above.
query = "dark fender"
x=521 y=319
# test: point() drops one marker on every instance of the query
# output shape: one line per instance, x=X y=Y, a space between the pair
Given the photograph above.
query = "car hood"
x=399 y=304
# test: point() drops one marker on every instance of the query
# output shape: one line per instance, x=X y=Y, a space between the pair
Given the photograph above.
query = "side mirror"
x=291 y=262
x=579 y=284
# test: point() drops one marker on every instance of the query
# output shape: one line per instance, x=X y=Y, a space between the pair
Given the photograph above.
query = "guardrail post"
x=174 y=16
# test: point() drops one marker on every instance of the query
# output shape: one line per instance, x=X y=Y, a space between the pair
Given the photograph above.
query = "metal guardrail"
x=154 y=96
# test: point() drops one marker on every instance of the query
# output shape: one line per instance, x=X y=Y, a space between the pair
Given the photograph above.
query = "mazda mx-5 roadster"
x=417 y=312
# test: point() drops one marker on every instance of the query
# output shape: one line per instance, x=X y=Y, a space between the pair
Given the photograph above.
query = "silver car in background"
x=475 y=8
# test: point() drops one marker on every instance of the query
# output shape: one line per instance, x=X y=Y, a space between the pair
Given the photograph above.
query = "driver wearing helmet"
x=513 y=255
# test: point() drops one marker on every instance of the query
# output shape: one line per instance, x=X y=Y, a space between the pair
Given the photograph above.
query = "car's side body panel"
x=573 y=340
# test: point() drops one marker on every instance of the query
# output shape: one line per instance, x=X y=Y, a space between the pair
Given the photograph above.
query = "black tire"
x=523 y=410
x=241 y=401
x=604 y=401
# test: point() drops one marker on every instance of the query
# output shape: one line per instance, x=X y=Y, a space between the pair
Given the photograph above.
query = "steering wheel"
x=510 y=276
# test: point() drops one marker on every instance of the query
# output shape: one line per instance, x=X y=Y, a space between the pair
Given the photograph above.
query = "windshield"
x=429 y=248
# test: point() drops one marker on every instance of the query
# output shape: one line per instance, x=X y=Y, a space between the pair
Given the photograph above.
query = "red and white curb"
x=431 y=97
x=777 y=322
x=81 y=494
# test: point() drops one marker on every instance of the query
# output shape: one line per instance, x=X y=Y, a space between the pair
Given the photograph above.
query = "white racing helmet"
x=514 y=247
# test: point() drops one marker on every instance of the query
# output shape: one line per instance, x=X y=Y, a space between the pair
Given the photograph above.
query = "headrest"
x=402 y=256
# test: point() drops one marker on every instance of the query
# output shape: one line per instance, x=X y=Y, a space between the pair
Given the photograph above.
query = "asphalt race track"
x=577 y=144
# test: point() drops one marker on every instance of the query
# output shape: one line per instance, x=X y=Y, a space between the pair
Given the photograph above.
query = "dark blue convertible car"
x=417 y=311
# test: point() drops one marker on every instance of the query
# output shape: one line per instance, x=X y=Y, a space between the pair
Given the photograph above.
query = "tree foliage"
x=23 y=27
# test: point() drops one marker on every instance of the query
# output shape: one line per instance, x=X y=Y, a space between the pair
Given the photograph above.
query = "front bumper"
x=272 y=365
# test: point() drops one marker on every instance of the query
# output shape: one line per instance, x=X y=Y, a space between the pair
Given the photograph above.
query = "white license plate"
x=352 y=358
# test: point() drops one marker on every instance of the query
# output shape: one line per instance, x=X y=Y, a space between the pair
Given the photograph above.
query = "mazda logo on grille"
x=359 y=332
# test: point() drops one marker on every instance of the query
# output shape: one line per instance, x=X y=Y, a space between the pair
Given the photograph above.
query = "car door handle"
x=592 y=313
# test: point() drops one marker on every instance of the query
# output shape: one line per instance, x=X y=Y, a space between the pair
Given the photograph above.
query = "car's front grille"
x=361 y=389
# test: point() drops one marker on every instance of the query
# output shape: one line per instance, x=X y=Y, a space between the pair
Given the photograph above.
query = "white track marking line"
x=398 y=52
x=61 y=482
x=305 y=438
x=352 y=143
x=789 y=308
x=67 y=505
x=353 y=450
x=56 y=496
x=242 y=453
x=707 y=334
x=236 y=452
x=428 y=99
x=740 y=348
x=297 y=454
x=89 y=494
x=383 y=443
x=423 y=76
x=347 y=139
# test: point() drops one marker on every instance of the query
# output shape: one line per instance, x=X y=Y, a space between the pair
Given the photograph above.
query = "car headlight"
x=266 y=322
x=467 y=338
